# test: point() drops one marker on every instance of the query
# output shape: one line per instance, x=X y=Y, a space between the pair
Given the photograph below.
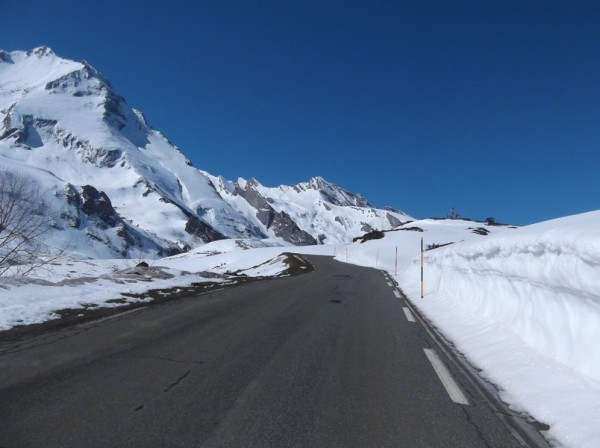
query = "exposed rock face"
x=200 y=229
x=96 y=205
x=280 y=223
x=5 y=57
x=285 y=227
x=332 y=193
x=395 y=222
x=312 y=212
x=71 y=213
x=91 y=211
x=40 y=52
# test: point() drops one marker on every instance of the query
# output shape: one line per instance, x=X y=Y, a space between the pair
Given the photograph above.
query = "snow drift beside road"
x=542 y=282
x=524 y=306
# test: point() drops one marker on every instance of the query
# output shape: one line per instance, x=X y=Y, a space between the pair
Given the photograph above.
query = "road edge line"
x=522 y=429
x=449 y=383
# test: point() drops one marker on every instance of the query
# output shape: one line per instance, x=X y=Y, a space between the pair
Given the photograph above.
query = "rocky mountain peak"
x=121 y=186
x=5 y=57
x=332 y=193
x=42 y=51
x=318 y=182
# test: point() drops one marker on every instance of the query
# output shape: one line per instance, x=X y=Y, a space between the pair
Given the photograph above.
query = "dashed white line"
x=390 y=284
x=134 y=310
x=453 y=389
x=409 y=315
x=397 y=294
x=114 y=316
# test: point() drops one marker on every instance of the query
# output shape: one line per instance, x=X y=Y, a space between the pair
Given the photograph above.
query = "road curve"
x=325 y=359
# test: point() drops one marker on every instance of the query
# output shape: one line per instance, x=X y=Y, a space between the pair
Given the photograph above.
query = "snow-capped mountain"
x=313 y=212
x=115 y=186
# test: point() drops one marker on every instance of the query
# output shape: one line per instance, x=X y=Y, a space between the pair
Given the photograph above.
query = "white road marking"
x=390 y=284
x=409 y=315
x=134 y=310
x=453 y=389
x=114 y=316
x=397 y=294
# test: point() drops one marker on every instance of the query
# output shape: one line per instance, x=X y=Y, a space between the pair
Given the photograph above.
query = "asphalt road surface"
x=325 y=359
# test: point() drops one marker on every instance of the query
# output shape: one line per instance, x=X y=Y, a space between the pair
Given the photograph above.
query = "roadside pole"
x=422 y=262
x=396 y=265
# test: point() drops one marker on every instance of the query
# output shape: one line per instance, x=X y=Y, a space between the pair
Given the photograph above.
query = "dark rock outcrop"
x=91 y=210
x=282 y=225
x=198 y=228
x=96 y=205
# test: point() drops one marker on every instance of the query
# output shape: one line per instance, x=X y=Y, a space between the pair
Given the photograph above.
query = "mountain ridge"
x=119 y=186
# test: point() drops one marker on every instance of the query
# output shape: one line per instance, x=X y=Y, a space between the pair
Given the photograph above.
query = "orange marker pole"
x=422 y=262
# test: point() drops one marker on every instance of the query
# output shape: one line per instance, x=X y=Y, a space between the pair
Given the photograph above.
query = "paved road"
x=325 y=359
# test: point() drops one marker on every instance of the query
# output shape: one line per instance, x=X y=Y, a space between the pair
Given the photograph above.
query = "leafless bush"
x=23 y=221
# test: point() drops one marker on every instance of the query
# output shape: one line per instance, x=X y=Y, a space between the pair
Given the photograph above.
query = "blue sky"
x=492 y=107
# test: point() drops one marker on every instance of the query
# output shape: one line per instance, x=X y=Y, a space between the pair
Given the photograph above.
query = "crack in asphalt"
x=477 y=430
x=39 y=341
x=177 y=381
x=159 y=358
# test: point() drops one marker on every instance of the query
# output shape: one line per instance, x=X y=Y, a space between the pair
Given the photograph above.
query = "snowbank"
x=542 y=282
x=524 y=307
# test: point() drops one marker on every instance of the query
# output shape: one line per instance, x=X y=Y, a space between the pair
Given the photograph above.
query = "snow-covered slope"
x=115 y=186
x=63 y=124
x=313 y=212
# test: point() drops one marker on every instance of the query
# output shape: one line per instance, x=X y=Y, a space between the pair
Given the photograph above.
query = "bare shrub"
x=22 y=224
